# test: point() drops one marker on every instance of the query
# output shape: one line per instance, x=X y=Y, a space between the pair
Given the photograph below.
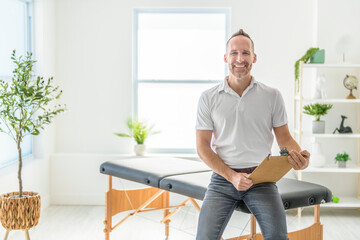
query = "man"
x=234 y=126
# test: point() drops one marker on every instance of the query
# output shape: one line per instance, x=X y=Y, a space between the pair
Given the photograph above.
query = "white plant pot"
x=317 y=159
x=139 y=149
x=318 y=126
x=341 y=164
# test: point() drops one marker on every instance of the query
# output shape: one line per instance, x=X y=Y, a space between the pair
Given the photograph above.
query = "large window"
x=15 y=33
x=178 y=55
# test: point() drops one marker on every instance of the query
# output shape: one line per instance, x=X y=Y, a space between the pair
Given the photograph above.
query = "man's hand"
x=241 y=181
x=299 y=160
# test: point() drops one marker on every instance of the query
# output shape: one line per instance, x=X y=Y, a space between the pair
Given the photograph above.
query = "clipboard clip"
x=284 y=152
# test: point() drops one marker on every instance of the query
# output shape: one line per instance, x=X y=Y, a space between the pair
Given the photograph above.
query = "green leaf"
x=35 y=132
x=122 y=134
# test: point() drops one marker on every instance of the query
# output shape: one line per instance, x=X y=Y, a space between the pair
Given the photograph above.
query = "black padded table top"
x=294 y=193
x=151 y=171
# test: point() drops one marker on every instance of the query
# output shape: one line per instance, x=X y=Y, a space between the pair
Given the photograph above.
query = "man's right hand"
x=241 y=181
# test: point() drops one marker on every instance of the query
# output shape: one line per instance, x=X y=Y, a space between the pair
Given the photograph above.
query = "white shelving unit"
x=299 y=133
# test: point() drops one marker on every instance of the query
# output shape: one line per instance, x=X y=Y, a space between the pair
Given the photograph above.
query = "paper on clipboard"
x=271 y=169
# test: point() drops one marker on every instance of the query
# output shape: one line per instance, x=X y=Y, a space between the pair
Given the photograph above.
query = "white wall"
x=91 y=51
x=94 y=67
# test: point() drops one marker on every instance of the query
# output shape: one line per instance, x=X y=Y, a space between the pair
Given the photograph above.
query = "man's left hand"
x=299 y=160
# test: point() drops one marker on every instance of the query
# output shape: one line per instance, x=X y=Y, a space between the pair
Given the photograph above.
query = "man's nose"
x=240 y=58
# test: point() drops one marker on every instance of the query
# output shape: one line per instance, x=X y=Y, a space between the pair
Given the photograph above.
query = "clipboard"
x=271 y=169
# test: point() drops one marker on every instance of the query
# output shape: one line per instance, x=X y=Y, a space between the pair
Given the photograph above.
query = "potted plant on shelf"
x=310 y=52
x=317 y=110
x=341 y=159
x=24 y=110
x=139 y=131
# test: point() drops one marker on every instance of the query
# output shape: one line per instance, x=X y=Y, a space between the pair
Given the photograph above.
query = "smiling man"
x=234 y=127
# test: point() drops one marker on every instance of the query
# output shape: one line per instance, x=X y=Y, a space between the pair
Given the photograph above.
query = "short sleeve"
x=279 y=115
x=203 y=119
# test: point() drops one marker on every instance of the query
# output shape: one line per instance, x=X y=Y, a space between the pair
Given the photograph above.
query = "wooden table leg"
x=27 y=234
x=252 y=226
x=108 y=216
x=166 y=199
x=6 y=234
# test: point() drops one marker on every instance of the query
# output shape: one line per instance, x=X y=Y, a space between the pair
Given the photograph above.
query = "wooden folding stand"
x=137 y=200
x=156 y=199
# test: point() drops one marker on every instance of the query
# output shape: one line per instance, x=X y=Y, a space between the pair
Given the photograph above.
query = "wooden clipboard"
x=271 y=169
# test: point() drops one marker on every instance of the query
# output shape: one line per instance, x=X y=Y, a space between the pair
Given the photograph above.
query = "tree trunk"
x=20 y=167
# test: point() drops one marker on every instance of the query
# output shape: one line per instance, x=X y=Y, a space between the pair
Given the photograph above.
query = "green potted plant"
x=341 y=159
x=317 y=110
x=139 y=132
x=24 y=110
x=304 y=59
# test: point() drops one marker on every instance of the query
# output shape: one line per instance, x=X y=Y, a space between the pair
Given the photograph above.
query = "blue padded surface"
x=294 y=193
x=150 y=171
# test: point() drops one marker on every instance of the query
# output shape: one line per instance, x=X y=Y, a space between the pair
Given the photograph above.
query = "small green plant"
x=305 y=59
x=317 y=110
x=342 y=157
x=137 y=130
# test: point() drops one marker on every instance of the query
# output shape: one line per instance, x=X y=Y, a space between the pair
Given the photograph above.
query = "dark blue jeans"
x=221 y=198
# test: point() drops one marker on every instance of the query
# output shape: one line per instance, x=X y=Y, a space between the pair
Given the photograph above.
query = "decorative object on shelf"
x=317 y=158
x=335 y=199
x=341 y=159
x=24 y=110
x=317 y=110
x=139 y=131
x=305 y=59
x=350 y=82
x=343 y=129
x=319 y=92
x=343 y=46
x=318 y=56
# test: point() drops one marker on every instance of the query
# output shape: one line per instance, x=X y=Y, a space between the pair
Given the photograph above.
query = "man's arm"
x=299 y=159
x=203 y=145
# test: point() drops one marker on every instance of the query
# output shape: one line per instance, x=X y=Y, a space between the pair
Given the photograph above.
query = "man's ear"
x=225 y=57
x=255 y=58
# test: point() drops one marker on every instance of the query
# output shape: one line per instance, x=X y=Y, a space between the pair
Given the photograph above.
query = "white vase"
x=139 y=149
x=318 y=126
x=317 y=159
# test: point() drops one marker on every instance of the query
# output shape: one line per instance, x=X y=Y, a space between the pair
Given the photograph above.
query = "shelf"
x=332 y=65
x=330 y=100
x=344 y=202
x=352 y=200
x=332 y=169
x=330 y=135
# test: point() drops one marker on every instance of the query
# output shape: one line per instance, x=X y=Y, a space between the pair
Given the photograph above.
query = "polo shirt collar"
x=224 y=86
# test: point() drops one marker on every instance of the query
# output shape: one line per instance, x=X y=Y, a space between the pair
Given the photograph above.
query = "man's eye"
x=233 y=53
x=246 y=53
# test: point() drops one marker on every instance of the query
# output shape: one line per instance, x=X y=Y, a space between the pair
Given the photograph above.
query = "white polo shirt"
x=242 y=126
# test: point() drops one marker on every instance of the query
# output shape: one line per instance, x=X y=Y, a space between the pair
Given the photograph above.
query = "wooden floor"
x=85 y=222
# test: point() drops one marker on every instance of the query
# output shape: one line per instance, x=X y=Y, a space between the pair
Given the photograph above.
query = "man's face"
x=240 y=56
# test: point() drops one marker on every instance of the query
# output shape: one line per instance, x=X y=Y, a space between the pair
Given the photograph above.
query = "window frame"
x=137 y=81
x=28 y=42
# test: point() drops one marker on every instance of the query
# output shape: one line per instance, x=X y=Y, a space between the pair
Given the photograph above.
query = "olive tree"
x=26 y=104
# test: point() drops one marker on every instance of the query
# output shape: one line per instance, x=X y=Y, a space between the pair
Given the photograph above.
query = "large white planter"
x=139 y=149
x=318 y=126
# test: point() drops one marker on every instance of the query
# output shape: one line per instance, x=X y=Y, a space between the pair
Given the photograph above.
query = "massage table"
x=190 y=178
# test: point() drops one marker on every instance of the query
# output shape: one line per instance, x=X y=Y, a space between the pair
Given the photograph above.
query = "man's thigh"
x=264 y=201
x=216 y=210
